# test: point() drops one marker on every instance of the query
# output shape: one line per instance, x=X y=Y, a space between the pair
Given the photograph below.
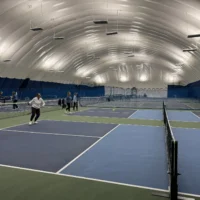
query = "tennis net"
x=172 y=151
x=8 y=110
x=123 y=101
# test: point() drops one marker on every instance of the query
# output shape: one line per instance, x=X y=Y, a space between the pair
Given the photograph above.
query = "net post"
x=174 y=172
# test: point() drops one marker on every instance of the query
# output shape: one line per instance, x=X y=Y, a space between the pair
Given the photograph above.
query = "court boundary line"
x=99 y=116
x=82 y=122
x=92 y=179
x=195 y=115
x=82 y=177
x=14 y=126
x=189 y=106
x=78 y=121
x=56 y=134
x=185 y=128
x=183 y=121
x=101 y=123
x=67 y=165
x=133 y=114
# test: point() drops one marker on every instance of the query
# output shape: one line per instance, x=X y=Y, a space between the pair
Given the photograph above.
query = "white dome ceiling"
x=146 y=52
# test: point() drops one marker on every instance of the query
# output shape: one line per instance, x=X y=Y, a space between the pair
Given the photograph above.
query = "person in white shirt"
x=36 y=104
x=75 y=102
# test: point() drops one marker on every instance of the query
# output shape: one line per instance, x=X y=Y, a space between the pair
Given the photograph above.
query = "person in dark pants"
x=60 y=102
x=36 y=104
x=63 y=104
x=75 y=102
x=68 y=100
x=15 y=100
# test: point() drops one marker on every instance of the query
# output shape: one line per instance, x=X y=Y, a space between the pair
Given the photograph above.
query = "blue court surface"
x=101 y=112
x=184 y=116
x=188 y=159
x=147 y=115
x=48 y=145
x=127 y=155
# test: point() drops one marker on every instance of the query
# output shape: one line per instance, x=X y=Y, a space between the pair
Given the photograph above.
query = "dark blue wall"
x=192 y=90
x=47 y=89
x=177 y=91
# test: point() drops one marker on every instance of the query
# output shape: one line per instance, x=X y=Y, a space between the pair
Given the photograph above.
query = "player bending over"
x=36 y=104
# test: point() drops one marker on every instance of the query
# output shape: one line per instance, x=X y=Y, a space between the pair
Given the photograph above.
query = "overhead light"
x=8 y=60
x=190 y=50
x=58 y=38
x=100 y=22
x=36 y=29
x=193 y=36
x=112 y=33
x=128 y=52
x=59 y=71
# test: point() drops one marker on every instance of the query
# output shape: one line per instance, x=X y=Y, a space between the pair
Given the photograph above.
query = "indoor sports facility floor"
x=97 y=153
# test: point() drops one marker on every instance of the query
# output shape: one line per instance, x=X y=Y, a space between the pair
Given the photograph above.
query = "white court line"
x=188 y=105
x=15 y=125
x=84 y=178
x=185 y=128
x=195 y=115
x=86 y=150
x=60 y=134
x=183 y=121
x=96 y=180
x=102 y=122
x=133 y=114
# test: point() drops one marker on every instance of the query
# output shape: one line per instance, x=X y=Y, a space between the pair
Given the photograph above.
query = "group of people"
x=70 y=102
x=37 y=102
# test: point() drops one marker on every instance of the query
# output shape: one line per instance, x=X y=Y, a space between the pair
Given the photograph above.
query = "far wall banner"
x=140 y=92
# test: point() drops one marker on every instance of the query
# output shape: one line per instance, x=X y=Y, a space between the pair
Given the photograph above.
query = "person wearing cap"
x=36 y=103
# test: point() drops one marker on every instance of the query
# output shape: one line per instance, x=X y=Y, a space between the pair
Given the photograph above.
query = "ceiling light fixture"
x=8 y=60
x=190 y=50
x=58 y=38
x=36 y=29
x=112 y=33
x=59 y=71
x=100 y=22
x=193 y=36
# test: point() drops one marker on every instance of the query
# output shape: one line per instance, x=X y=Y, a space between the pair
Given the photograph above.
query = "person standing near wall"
x=15 y=100
x=36 y=104
x=68 y=100
x=75 y=102
x=2 y=98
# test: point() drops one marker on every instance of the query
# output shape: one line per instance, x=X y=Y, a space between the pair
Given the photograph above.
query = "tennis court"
x=106 y=153
x=110 y=153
